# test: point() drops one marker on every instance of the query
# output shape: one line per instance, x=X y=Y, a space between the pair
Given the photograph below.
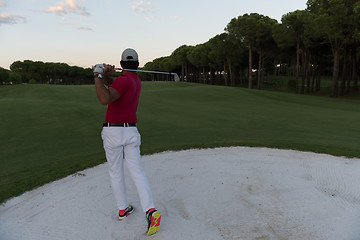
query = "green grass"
x=48 y=132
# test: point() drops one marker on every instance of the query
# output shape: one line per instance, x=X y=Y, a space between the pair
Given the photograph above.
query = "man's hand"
x=105 y=70
x=105 y=95
x=108 y=69
x=100 y=68
x=106 y=75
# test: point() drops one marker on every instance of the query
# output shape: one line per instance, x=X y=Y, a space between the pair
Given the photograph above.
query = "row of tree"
x=50 y=73
x=321 y=40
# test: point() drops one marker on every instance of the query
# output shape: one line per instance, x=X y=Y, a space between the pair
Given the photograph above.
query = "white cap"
x=129 y=54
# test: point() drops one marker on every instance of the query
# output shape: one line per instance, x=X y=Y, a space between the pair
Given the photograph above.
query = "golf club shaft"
x=144 y=71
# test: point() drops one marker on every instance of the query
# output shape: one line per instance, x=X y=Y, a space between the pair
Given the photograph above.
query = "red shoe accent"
x=154 y=218
x=150 y=210
x=122 y=212
x=126 y=212
x=155 y=222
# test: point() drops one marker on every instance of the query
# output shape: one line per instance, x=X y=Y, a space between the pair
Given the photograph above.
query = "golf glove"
x=99 y=68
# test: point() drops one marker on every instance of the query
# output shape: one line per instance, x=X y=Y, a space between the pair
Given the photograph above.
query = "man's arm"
x=105 y=95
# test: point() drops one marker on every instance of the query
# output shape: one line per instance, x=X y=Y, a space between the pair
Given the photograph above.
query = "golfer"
x=120 y=135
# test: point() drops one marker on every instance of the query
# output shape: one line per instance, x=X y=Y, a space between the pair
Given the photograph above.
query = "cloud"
x=2 y=4
x=65 y=22
x=85 y=28
x=141 y=6
x=74 y=24
x=66 y=7
x=6 y=18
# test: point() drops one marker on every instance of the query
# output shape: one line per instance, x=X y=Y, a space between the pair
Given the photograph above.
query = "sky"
x=86 y=32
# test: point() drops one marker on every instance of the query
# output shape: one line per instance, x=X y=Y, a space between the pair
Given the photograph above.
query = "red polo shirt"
x=123 y=110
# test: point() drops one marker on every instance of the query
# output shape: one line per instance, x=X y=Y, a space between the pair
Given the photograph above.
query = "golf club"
x=176 y=77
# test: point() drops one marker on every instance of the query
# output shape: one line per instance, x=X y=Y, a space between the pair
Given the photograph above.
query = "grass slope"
x=176 y=116
x=49 y=132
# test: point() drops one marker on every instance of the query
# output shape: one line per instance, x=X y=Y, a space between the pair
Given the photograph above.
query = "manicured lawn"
x=176 y=116
x=48 y=132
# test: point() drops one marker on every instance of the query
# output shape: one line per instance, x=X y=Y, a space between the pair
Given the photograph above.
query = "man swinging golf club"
x=120 y=135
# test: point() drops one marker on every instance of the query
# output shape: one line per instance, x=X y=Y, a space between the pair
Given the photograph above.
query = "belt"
x=119 y=125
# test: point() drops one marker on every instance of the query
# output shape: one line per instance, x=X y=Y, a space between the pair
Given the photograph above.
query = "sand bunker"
x=222 y=193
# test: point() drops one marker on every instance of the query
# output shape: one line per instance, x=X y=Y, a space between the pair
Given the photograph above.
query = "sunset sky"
x=86 y=32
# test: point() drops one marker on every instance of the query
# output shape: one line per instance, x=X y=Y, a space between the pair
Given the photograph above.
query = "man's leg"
x=114 y=155
x=133 y=161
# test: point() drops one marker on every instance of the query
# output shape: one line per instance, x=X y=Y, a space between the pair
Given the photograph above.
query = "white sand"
x=223 y=193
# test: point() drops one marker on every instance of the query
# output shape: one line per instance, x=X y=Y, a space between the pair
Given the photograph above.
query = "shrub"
x=292 y=83
x=32 y=81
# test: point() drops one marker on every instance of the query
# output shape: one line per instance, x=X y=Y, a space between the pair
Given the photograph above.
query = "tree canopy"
x=52 y=73
x=321 y=40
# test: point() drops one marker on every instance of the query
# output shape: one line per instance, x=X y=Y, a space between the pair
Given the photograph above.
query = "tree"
x=331 y=19
x=198 y=57
x=294 y=22
x=162 y=64
x=179 y=58
x=355 y=69
x=50 y=72
x=219 y=55
x=4 y=76
x=263 y=41
x=248 y=29
x=14 y=77
x=17 y=67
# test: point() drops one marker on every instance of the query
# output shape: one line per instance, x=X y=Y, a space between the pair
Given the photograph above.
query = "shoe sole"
x=155 y=225
x=122 y=218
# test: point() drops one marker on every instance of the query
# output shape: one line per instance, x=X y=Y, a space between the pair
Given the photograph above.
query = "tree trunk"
x=225 y=74
x=199 y=75
x=314 y=68
x=250 y=66
x=355 y=65
x=259 y=69
x=182 y=72
x=303 y=69
x=212 y=76
x=297 y=64
x=345 y=74
x=313 y=76
x=308 y=70
x=335 y=80
x=230 y=71
x=262 y=71
x=352 y=67
x=204 y=76
x=318 y=81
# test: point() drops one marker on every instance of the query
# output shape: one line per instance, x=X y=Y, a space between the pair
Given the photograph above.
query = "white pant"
x=123 y=144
